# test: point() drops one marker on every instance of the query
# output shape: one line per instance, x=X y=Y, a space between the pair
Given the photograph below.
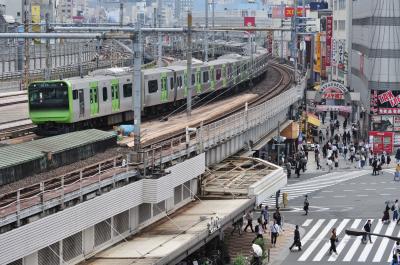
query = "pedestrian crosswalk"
x=317 y=183
x=316 y=244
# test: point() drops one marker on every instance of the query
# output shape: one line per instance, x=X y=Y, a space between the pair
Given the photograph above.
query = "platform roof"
x=235 y=175
x=25 y=152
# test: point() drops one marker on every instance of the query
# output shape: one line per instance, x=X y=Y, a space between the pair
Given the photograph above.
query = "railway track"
x=50 y=189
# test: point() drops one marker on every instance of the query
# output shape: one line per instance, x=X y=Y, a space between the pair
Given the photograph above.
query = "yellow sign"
x=36 y=20
x=317 y=64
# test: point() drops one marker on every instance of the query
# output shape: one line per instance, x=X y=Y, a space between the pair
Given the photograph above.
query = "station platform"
x=172 y=238
x=228 y=190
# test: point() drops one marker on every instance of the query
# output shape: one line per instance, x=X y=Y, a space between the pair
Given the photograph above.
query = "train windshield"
x=48 y=95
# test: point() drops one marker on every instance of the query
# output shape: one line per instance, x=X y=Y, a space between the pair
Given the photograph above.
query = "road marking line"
x=312 y=231
x=319 y=238
x=367 y=249
x=318 y=197
x=326 y=246
x=307 y=222
x=344 y=241
x=348 y=190
x=390 y=188
x=369 y=189
x=385 y=194
x=327 y=191
x=339 y=196
x=384 y=243
x=362 y=195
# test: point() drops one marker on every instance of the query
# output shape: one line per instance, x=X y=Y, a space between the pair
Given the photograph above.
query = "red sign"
x=329 y=31
x=289 y=11
x=337 y=95
x=249 y=22
x=381 y=141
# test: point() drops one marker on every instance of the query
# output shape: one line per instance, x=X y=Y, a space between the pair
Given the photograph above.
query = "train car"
x=105 y=97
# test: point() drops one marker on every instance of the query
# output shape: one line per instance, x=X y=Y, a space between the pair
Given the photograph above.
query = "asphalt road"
x=342 y=199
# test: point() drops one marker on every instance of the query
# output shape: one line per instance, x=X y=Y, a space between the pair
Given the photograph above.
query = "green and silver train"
x=104 y=97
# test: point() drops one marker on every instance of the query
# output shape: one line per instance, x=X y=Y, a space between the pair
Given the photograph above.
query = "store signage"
x=329 y=31
x=289 y=11
x=340 y=108
x=385 y=102
x=333 y=95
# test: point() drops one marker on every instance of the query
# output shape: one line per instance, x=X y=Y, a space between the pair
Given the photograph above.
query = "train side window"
x=105 y=96
x=74 y=94
x=218 y=74
x=127 y=90
x=179 y=81
x=205 y=76
x=153 y=86
x=193 y=79
x=171 y=83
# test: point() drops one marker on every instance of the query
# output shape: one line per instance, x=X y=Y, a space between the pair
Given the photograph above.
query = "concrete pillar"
x=88 y=240
x=31 y=259
x=133 y=218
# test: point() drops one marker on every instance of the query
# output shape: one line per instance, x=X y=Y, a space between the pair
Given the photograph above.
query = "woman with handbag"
x=334 y=239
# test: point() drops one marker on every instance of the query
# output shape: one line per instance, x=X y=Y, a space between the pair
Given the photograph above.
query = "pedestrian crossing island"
x=315 y=241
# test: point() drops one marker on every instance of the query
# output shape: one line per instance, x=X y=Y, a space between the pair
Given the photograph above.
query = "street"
x=342 y=199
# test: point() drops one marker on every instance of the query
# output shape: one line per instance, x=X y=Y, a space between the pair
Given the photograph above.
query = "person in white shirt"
x=274 y=233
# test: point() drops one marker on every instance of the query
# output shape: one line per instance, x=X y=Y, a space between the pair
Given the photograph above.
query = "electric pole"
x=189 y=65
x=26 y=20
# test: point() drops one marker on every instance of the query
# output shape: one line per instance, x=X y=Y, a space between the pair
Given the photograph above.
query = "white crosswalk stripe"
x=350 y=249
x=302 y=188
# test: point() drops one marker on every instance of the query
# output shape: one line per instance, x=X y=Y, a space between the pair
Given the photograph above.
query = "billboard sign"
x=385 y=102
x=329 y=32
x=289 y=11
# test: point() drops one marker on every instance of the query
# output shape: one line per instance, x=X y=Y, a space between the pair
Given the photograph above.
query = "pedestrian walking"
x=265 y=214
x=375 y=166
x=386 y=215
x=274 y=233
x=388 y=160
x=367 y=228
x=259 y=229
x=249 y=218
x=238 y=226
x=395 y=252
x=306 y=205
x=288 y=169
x=296 y=240
x=395 y=209
x=277 y=217
x=397 y=173
x=397 y=156
x=298 y=168
x=333 y=239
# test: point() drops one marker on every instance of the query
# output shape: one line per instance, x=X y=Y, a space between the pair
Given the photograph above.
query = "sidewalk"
x=241 y=244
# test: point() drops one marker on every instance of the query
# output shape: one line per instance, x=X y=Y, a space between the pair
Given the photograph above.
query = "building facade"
x=340 y=45
x=375 y=70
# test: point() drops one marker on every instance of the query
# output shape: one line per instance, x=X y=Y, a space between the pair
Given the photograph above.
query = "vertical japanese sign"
x=36 y=18
x=317 y=64
x=329 y=24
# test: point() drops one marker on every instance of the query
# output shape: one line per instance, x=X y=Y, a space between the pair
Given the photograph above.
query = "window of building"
x=335 y=4
x=335 y=22
x=152 y=86
x=342 y=24
x=342 y=4
x=127 y=90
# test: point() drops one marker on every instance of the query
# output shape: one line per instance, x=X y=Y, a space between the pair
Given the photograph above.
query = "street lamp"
x=356 y=232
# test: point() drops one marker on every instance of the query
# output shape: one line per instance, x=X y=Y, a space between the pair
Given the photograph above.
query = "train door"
x=185 y=82
x=223 y=74
x=198 y=80
x=164 y=87
x=81 y=98
x=94 y=98
x=115 y=102
x=212 y=77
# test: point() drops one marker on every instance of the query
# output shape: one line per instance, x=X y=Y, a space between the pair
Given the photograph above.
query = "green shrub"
x=239 y=260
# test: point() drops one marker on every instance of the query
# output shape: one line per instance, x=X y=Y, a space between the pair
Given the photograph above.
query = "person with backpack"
x=306 y=205
x=265 y=214
x=367 y=228
x=397 y=156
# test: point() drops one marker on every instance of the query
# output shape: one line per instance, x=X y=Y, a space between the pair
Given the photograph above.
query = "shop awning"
x=291 y=131
x=313 y=119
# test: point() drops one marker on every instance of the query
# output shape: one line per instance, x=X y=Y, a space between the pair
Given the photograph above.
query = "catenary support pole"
x=213 y=33
x=26 y=18
x=159 y=18
x=206 y=32
x=121 y=14
x=295 y=41
x=189 y=64
x=48 y=50
x=137 y=83
x=282 y=19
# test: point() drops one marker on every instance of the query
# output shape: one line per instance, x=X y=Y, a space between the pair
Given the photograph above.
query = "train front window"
x=48 y=95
